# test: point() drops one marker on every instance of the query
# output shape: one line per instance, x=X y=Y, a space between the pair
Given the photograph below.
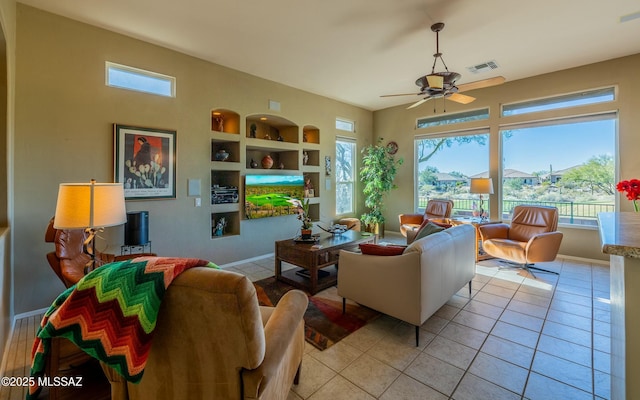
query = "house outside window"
x=345 y=175
x=557 y=151
x=445 y=164
x=569 y=164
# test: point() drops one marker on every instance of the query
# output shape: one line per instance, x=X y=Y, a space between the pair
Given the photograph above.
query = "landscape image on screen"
x=272 y=195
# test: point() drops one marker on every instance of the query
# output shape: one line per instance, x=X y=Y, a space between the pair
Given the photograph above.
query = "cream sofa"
x=414 y=285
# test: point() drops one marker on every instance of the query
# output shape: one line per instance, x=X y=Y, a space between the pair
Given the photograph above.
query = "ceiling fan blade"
x=401 y=94
x=417 y=103
x=435 y=81
x=496 y=80
x=460 y=98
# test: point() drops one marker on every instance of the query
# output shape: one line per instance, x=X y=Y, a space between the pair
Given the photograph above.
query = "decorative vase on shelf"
x=305 y=158
x=222 y=155
x=267 y=162
x=253 y=164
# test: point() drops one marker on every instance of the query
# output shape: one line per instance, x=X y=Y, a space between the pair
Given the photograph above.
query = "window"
x=124 y=77
x=568 y=164
x=345 y=175
x=557 y=102
x=448 y=119
x=345 y=125
x=445 y=164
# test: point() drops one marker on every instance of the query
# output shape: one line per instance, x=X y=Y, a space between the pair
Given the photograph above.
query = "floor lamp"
x=481 y=186
x=90 y=206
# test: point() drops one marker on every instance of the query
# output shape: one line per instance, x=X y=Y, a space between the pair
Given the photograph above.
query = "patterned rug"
x=324 y=322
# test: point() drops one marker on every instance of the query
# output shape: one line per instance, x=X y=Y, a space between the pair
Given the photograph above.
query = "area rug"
x=324 y=322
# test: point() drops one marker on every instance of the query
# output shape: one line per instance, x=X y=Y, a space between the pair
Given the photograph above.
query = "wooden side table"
x=476 y=222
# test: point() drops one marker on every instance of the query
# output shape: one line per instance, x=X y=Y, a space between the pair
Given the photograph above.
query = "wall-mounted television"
x=271 y=195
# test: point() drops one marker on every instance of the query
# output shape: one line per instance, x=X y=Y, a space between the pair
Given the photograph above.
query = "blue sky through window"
x=140 y=81
x=533 y=149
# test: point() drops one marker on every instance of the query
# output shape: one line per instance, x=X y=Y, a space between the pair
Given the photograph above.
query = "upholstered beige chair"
x=436 y=209
x=213 y=341
x=532 y=237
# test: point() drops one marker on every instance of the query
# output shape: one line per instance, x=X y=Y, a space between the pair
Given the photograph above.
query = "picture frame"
x=145 y=162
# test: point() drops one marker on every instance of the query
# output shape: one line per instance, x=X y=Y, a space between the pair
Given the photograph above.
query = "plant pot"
x=305 y=233
x=377 y=228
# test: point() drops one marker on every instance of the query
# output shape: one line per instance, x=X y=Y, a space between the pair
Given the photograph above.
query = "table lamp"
x=481 y=186
x=90 y=206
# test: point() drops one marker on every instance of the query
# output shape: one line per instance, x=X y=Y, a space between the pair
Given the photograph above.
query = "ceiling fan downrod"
x=437 y=27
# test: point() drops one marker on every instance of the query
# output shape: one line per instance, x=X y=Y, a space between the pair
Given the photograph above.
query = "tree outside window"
x=345 y=176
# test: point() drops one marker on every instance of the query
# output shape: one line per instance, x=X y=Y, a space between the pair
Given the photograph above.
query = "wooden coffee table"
x=312 y=259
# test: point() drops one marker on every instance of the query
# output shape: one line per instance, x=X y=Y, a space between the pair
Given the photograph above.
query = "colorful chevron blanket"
x=111 y=314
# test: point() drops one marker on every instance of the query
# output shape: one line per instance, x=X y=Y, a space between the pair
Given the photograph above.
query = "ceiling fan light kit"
x=443 y=84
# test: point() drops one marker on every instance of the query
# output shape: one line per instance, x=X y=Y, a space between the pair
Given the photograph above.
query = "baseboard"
x=29 y=314
x=246 y=260
x=585 y=260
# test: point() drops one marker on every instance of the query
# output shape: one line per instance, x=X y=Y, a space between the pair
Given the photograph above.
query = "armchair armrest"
x=279 y=332
x=409 y=222
x=494 y=231
x=411 y=218
x=543 y=247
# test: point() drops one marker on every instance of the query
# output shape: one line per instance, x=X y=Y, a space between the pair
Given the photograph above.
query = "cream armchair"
x=532 y=237
x=213 y=341
x=436 y=208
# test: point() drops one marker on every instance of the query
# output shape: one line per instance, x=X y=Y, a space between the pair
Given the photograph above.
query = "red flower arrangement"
x=631 y=189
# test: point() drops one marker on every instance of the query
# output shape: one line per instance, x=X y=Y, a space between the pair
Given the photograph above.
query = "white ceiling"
x=356 y=50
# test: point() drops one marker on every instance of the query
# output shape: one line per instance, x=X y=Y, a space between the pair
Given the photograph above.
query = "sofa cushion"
x=381 y=250
x=428 y=229
x=427 y=221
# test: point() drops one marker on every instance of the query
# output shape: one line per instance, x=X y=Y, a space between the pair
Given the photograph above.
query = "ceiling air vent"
x=486 y=66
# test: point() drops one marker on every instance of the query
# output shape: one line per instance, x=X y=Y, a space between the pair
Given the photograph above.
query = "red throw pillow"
x=380 y=250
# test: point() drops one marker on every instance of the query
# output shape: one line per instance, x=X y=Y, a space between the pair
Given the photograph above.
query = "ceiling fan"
x=443 y=84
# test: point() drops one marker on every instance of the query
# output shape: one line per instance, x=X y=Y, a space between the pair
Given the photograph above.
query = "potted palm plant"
x=379 y=169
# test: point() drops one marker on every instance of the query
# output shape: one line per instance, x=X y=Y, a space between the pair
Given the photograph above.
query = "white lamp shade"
x=90 y=205
x=481 y=186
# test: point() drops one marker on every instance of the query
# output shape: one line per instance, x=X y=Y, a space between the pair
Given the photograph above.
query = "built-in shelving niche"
x=310 y=134
x=272 y=128
x=227 y=121
x=264 y=134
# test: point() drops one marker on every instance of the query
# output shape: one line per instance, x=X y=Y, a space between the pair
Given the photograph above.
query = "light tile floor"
x=513 y=338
